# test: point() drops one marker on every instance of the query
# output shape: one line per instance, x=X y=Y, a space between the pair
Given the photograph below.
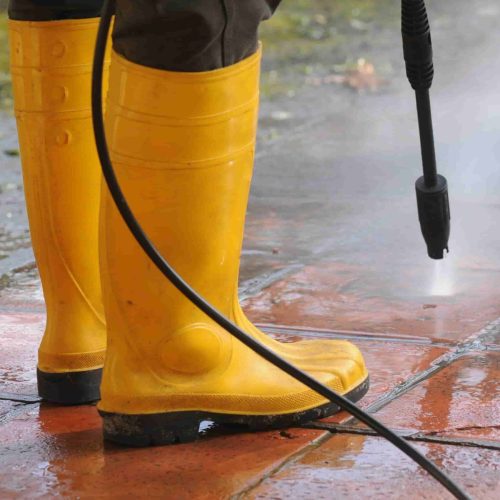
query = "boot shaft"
x=51 y=74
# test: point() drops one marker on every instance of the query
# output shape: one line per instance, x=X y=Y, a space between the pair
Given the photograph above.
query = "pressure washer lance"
x=432 y=188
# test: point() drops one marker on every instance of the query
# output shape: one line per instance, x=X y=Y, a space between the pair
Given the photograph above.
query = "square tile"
x=348 y=466
x=59 y=451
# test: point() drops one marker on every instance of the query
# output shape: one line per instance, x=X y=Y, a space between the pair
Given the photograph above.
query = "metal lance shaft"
x=431 y=188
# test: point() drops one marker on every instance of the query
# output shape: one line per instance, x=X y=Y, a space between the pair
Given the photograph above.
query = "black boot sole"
x=70 y=388
x=183 y=427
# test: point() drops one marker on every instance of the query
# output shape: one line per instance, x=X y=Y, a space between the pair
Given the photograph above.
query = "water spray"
x=431 y=188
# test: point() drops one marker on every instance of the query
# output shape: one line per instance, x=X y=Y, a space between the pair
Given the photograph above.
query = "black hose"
x=170 y=273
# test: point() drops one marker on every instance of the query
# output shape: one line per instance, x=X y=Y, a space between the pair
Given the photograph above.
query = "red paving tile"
x=337 y=296
x=357 y=467
x=462 y=400
x=57 y=451
x=389 y=364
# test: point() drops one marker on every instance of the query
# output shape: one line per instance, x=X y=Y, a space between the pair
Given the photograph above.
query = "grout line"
x=467 y=443
x=491 y=348
x=419 y=437
x=492 y=328
x=289 y=460
x=402 y=388
x=20 y=398
x=359 y=336
x=253 y=286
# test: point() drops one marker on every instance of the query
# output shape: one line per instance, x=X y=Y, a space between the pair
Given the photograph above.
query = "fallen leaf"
x=11 y=152
x=362 y=78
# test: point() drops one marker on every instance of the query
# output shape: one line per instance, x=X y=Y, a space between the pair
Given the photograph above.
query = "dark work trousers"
x=176 y=35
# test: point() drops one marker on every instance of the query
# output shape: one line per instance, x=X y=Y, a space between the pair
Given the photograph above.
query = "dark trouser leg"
x=53 y=10
x=189 y=35
x=176 y=35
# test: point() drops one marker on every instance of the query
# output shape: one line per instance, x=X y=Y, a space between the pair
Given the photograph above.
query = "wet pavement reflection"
x=459 y=401
x=59 y=452
x=368 y=467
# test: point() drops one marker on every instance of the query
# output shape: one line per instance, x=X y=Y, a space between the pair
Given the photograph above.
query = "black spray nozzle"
x=434 y=215
x=432 y=189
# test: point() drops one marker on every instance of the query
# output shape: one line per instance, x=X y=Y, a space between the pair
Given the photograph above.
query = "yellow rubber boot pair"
x=51 y=73
x=182 y=146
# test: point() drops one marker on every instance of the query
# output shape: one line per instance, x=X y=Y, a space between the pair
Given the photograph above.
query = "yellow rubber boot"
x=182 y=145
x=51 y=74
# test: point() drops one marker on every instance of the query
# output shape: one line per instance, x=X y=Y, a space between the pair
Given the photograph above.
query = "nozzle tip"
x=437 y=253
x=434 y=215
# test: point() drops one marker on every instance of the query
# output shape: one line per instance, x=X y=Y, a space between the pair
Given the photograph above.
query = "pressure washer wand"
x=431 y=188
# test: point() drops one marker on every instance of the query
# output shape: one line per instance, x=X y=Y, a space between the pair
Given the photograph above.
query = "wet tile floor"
x=441 y=392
